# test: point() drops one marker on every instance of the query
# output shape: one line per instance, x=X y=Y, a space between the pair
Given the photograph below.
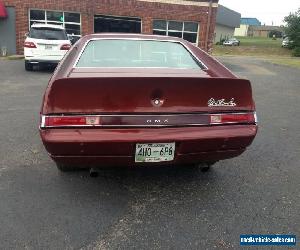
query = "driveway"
x=150 y=208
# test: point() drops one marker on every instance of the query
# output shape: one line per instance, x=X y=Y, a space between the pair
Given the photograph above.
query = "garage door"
x=117 y=24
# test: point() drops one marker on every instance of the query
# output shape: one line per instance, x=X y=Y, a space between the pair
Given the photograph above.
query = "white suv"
x=45 y=43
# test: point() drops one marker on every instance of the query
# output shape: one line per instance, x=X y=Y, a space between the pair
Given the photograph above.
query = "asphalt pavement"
x=150 y=208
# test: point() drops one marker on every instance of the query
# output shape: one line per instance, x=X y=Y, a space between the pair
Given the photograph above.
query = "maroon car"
x=130 y=100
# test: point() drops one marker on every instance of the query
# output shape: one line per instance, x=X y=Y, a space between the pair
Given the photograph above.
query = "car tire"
x=65 y=168
x=28 y=66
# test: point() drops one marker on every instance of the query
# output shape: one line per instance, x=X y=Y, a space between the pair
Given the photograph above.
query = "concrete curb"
x=12 y=57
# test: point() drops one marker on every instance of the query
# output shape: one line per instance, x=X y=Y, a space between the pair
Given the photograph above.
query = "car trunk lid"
x=133 y=92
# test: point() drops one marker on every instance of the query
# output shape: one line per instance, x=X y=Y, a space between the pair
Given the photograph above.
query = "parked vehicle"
x=132 y=99
x=286 y=42
x=73 y=38
x=45 y=44
x=231 y=42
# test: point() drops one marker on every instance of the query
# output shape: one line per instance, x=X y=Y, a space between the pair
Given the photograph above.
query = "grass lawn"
x=266 y=48
x=254 y=46
x=290 y=61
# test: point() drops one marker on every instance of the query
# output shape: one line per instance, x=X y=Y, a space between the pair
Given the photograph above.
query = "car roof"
x=42 y=25
x=133 y=36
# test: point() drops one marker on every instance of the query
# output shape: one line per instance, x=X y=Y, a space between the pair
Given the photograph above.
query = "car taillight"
x=109 y=120
x=61 y=121
x=29 y=45
x=233 y=118
x=65 y=47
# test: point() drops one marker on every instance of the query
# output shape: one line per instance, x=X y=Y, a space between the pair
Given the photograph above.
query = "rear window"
x=136 y=54
x=48 y=34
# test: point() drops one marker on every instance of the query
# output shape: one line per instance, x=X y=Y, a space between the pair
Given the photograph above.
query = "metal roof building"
x=226 y=22
x=246 y=23
x=250 y=21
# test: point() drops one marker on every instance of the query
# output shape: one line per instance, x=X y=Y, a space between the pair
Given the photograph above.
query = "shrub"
x=292 y=30
x=296 y=52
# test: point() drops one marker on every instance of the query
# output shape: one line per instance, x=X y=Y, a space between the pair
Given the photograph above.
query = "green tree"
x=292 y=30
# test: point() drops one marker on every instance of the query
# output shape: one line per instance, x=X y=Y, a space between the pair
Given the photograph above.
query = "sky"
x=266 y=11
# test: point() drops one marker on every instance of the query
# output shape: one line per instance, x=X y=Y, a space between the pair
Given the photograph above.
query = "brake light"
x=29 y=45
x=65 y=47
x=53 y=121
x=61 y=121
x=233 y=118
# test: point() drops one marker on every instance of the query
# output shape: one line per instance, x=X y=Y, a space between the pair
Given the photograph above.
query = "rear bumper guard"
x=43 y=61
x=95 y=142
x=127 y=161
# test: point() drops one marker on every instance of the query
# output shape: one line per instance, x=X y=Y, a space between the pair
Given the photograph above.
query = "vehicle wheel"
x=65 y=168
x=28 y=66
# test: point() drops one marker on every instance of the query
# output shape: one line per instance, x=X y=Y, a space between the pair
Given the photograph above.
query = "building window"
x=117 y=24
x=185 y=30
x=70 y=20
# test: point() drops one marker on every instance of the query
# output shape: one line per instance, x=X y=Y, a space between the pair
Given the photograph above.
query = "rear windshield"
x=136 y=54
x=48 y=34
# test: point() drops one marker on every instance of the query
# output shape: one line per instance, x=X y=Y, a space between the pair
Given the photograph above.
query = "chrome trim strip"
x=255 y=117
x=43 y=119
x=128 y=126
x=136 y=39
x=141 y=126
x=153 y=114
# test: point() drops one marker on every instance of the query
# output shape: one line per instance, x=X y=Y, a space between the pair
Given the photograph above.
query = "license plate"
x=154 y=152
x=47 y=46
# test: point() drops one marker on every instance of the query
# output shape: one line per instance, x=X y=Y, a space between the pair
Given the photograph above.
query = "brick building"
x=193 y=20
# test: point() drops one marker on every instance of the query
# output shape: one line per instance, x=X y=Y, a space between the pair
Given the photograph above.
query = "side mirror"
x=26 y=34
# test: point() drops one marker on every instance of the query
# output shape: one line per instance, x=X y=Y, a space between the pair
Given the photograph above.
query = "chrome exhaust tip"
x=94 y=173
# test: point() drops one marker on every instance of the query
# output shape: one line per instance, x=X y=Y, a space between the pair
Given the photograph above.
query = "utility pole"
x=208 y=25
